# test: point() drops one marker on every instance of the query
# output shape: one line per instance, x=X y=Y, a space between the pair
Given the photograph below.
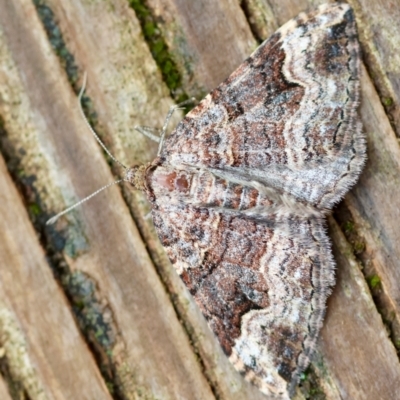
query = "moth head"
x=135 y=175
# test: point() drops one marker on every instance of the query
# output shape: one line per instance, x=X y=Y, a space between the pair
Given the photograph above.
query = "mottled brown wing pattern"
x=261 y=289
x=287 y=116
x=242 y=185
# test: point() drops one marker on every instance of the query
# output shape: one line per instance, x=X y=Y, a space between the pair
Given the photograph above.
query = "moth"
x=241 y=188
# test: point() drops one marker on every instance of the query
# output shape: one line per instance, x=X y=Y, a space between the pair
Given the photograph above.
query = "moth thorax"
x=135 y=176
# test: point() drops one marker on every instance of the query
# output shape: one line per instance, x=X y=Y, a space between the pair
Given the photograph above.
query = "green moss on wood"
x=309 y=385
x=67 y=60
x=96 y=321
x=34 y=209
x=89 y=310
x=15 y=364
x=358 y=247
x=14 y=156
x=348 y=227
x=387 y=101
x=260 y=17
x=357 y=243
x=159 y=50
x=374 y=281
x=56 y=40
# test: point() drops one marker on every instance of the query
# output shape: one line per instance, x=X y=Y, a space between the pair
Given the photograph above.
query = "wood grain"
x=379 y=27
x=152 y=341
x=355 y=351
x=374 y=206
x=4 y=393
x=46 y=356
x=261 y=17
x=207 y=39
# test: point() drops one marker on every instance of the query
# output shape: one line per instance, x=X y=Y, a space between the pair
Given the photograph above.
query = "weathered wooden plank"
x=97 y=250
x=45 y=354
x=379 y=29
x=354 y=345
x=261 y=17
x=4 y=393
x=284 y=10
x=374 y=206
x=205 y=38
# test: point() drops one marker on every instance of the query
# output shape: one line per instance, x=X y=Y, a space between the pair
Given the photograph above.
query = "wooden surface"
x=91 y=308
x=44 y=349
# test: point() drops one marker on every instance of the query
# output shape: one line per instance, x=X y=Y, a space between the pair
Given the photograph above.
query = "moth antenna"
x=67 y=210
x=168 y=117
x=146 y=131
x=96 y=136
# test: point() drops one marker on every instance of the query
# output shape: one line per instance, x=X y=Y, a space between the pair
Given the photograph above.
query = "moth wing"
x=262 y=289
x=287 y=116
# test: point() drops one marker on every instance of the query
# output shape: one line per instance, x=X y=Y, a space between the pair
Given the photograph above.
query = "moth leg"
x=151 y=133
x=148 y=216
x=167 y=119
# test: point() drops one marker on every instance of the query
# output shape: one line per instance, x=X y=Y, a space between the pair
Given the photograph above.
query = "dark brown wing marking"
x=287 y=116
x=261 y=289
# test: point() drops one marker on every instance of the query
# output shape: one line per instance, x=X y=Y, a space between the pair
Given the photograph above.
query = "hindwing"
x=262 y=288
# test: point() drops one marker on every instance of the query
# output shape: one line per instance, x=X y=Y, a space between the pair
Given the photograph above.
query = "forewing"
x=287 y=116
x=261 y=286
